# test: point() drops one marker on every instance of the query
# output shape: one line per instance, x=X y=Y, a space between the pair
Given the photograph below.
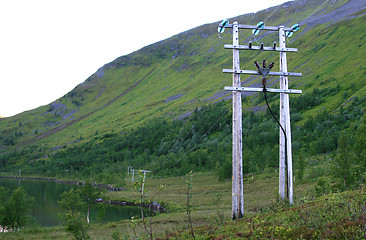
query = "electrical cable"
x=313 y=12
x=264 y=71
x=307 y=18
x=283 y=130
x=272 y=12
x=265 y=97
x=253 y=36
x=265 y=91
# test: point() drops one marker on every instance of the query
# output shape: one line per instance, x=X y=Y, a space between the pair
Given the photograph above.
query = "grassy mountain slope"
x=169 y=79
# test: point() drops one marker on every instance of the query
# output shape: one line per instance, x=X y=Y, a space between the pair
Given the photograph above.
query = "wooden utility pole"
x=285 y=139
x=237 y=180
x=129 y=168
x=133 y=174
x=143 y=180
x=285 y=122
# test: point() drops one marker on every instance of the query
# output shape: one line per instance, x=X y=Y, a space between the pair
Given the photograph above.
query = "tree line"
x=203 y=142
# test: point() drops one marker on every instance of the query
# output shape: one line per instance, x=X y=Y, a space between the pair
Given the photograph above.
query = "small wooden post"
x=237 y=179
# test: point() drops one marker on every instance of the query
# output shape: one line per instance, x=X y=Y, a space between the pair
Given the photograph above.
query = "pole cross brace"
x=246 y=47
x=252 y=72
x=269 y=28
x=272 y=90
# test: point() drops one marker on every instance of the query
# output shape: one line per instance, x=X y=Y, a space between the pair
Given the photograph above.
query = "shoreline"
x=106 y=186
x=155 y=205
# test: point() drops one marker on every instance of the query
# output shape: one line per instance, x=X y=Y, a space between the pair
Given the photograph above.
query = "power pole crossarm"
x=249 y=47
x=253 y=72
x=269 y=28
x=272 y=90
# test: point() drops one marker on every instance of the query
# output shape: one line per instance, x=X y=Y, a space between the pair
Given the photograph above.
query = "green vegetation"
x=335 y=216
x=76 y=226
x=349 y=163
x=162 y=108
x=72 y=202
x=15 y=209
x=143 y=193
x=205 y=189
x=201 y=142
x=260 y=205
x=171 y=78
x=89 y=194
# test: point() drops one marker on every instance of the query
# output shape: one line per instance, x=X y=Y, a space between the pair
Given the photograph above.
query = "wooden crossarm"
x=272 y=90
x=252 y=72
x=269 y=28
x=245 y=47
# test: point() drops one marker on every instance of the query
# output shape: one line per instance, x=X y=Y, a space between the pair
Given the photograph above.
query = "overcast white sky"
x=47 y=47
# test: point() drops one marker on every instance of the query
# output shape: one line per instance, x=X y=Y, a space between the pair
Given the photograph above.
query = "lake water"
x=47 y=193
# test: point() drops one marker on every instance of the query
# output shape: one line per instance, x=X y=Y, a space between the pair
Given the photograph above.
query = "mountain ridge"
x=173 y=77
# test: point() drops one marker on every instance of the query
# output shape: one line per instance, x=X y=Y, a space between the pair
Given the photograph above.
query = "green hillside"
x=163 y=107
